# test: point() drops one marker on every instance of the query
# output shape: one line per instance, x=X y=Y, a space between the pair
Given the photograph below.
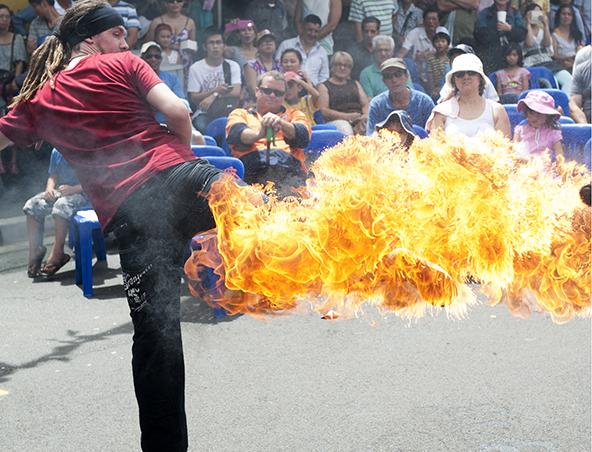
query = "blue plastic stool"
x=86 y=231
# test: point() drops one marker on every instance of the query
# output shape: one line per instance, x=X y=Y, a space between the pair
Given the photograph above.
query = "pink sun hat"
x=540 y=102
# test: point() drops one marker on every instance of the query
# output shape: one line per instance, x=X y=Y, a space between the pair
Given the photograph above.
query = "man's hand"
x=270 y=120
x=50 y=194
x=503 y=27
x=67 y=190
x=206 y=103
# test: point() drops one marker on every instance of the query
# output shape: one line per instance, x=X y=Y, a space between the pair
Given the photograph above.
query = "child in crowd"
x=514 y=79
x=542 y=131
x=163 y=35
x=437 y=62
x=399 y=121
x=307 y=104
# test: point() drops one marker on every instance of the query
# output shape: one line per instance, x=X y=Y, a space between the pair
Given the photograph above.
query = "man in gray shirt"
x=579 y=100
x=44 y=25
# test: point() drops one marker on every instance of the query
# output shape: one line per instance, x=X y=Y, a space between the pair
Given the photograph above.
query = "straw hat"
x=540 y=102
x=466 y=62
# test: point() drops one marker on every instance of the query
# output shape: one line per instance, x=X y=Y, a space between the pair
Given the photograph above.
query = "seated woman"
x=264 y=62
x=538 y=48
x=567 y=39
x=343 y=101
x=468 y=112
x=62 y=196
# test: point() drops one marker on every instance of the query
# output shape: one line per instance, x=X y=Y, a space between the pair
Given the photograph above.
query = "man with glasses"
x=383 y=48
x=315 y=60
x=214 y=82
x=270 y=129
x=418 y=105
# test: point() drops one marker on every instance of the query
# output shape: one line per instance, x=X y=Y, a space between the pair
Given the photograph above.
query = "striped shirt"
x=129 y=14
x=383 y=10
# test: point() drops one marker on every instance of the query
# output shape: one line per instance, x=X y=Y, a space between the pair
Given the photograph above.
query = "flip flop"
x=54 y=268
x=34 y=268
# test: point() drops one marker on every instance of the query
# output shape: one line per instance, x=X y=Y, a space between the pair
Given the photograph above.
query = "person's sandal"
x=52 y=269
x=33 y=269
x=13 y=168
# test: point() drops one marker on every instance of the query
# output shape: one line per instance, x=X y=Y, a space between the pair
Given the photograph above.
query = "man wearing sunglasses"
x=398 y=97
x=247 y=136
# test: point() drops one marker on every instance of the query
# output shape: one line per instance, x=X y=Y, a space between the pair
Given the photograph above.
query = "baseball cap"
x=149 y=44
x=397 y=63
x=461 y=48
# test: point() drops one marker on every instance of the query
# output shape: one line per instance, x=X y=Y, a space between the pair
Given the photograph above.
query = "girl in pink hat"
x=542 y=131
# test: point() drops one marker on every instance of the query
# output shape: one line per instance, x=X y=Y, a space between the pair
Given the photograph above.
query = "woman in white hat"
x=468 y=112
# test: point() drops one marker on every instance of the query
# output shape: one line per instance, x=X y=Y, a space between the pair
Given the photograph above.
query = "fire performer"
x=95 y=103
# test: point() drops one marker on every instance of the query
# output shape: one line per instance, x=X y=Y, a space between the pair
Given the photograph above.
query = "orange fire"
x=401 y=231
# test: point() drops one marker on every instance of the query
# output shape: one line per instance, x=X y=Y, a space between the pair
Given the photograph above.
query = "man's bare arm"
x=175 y=113
x=575 y=109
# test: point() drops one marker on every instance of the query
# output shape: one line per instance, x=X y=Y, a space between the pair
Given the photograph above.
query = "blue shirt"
x=173 y=82
x=59 y=167
x=24 y=16
x=419 y=109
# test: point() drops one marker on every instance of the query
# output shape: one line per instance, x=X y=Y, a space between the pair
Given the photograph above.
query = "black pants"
x=153 y=227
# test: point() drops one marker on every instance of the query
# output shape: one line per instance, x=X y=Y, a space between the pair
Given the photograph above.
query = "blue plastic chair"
x=217 y=129
x=412 y=68
x=226 y=162
x=575 y=138
x=587 y=154
x=418 y=87
x=420 y=132
x=210 y=140
x=207 y=151
x=85 y=230
x=318 y=117
x=514 y=116
x=322 y=139
x=323 y=127
x=560 y=98
x=537 y=72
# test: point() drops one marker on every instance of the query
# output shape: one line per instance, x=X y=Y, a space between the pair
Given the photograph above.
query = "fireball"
x=402 y=231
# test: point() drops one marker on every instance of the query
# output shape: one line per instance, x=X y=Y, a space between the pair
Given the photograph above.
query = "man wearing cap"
x=130 y=20
x=214 y=82
x=398 y=97
x=315 y=60
x=95 y=102
x=151 y=53
x=371 y=77
x=247 y=136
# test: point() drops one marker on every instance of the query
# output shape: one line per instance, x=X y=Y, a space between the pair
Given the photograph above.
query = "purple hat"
x=540 y=102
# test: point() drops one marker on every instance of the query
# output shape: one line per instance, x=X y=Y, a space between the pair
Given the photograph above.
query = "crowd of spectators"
x=400 y=57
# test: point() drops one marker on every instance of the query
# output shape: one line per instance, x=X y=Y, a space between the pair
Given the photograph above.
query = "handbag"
x=222 y=106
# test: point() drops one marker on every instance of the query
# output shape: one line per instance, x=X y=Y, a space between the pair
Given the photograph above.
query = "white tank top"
x=471 y=127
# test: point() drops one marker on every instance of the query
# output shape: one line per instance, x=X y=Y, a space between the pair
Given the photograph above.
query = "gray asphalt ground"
x=491 y=382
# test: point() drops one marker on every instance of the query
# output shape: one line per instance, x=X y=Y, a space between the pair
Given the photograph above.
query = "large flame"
x=402 y=230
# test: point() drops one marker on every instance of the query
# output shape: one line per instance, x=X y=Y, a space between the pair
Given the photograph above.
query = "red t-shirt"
x=99 y=120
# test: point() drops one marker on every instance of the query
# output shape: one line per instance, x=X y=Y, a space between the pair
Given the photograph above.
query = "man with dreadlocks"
x=96 y=103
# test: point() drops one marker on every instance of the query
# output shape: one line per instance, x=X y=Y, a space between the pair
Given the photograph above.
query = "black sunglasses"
x=390 y=75
x=269 y=91
x=174 y=1
x=158 y=56
x=461 y=74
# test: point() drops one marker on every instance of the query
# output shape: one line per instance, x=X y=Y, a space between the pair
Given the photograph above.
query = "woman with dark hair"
x=538 y=47
x=240 y=43
x=13 y=60
x=567 y=38
x=291 y=61
x=468 y=112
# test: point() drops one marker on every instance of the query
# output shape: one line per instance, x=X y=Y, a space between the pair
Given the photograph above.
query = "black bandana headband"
x=103 y=17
